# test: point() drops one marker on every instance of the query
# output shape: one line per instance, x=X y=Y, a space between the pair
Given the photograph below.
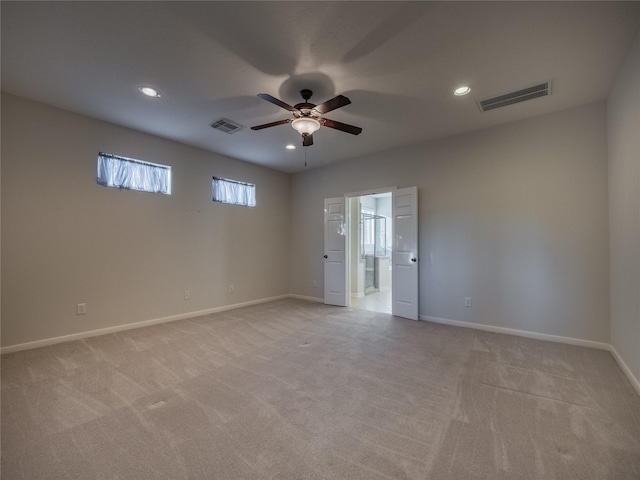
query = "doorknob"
x=326 y=256
x=414 y=259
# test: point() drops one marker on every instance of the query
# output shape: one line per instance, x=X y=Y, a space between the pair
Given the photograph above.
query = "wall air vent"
x=227 y=126
x=522 y=95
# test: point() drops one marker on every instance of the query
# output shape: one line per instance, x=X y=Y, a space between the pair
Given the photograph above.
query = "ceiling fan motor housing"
x=306 y=110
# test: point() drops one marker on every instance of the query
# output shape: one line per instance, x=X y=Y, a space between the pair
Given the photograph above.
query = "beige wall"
x=623 y=115
x=513 y=216
x=128 y=255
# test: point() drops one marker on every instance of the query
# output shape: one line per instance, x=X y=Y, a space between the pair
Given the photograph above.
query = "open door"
x=405 y=253
x=335 y=254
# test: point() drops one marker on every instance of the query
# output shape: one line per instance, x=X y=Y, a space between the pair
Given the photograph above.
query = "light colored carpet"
x=298 y=390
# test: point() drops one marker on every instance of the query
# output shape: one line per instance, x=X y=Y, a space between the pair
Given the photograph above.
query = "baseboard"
x=304 y=297
x=520 y=333
x=543 y=336
x=627 y=371
x=357 y=295
x=130 y=326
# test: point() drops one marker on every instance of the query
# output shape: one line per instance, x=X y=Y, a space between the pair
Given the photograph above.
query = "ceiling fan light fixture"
x=463 y=90
x=305 y=125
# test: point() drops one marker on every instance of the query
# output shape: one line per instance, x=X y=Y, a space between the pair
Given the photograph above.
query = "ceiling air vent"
x=227 y=126
x=522 y=95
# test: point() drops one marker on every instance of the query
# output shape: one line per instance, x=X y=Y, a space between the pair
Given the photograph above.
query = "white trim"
x=373 y=191
x=627 y=371
x=357 y=295
x=304 y=297
x=520 y=333
x=121 y=328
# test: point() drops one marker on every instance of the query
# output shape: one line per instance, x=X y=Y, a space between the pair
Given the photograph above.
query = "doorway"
x=341 y=238
x=371 y=237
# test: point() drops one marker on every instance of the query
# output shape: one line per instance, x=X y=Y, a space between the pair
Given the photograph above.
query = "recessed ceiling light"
x=460 y=91
x=290 y=147
x=149 y=91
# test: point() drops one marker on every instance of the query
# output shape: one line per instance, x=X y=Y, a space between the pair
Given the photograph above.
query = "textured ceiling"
x=398 y=62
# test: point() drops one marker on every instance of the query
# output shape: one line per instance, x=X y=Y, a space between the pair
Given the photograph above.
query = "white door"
x=405 y=253
x=335 y=266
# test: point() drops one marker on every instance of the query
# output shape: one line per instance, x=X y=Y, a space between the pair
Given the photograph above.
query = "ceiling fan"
x=307 y=117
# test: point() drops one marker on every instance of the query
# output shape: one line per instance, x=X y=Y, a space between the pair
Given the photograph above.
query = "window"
x=122 y=172
x=234 y=192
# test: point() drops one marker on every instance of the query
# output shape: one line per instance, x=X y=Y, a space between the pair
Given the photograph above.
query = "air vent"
x=522 y=95
x=227 y=126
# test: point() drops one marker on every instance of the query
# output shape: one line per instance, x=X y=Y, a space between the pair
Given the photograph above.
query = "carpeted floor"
x=298 y=390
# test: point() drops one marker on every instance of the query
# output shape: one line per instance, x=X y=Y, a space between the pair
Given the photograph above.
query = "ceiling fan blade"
x=307 y=140
x=336 y=102
x=344 y=127
x=272 y=124
x=280 y=103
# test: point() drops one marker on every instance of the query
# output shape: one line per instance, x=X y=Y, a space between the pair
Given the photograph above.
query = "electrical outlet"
x=187 y=295
x=315 y=284
x=467 y=301
x=81 y=309
x=230 y=288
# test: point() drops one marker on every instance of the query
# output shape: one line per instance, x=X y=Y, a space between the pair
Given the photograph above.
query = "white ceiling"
x=398 y=62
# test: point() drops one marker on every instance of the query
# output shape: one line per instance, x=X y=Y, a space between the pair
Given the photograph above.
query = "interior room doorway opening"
x=370 y=251
x=339 y=245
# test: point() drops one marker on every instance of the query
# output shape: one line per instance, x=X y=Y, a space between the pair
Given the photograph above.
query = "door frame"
x=349 y=225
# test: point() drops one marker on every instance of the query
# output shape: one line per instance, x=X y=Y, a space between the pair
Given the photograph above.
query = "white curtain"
x=133 y=174
x=237 y=193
